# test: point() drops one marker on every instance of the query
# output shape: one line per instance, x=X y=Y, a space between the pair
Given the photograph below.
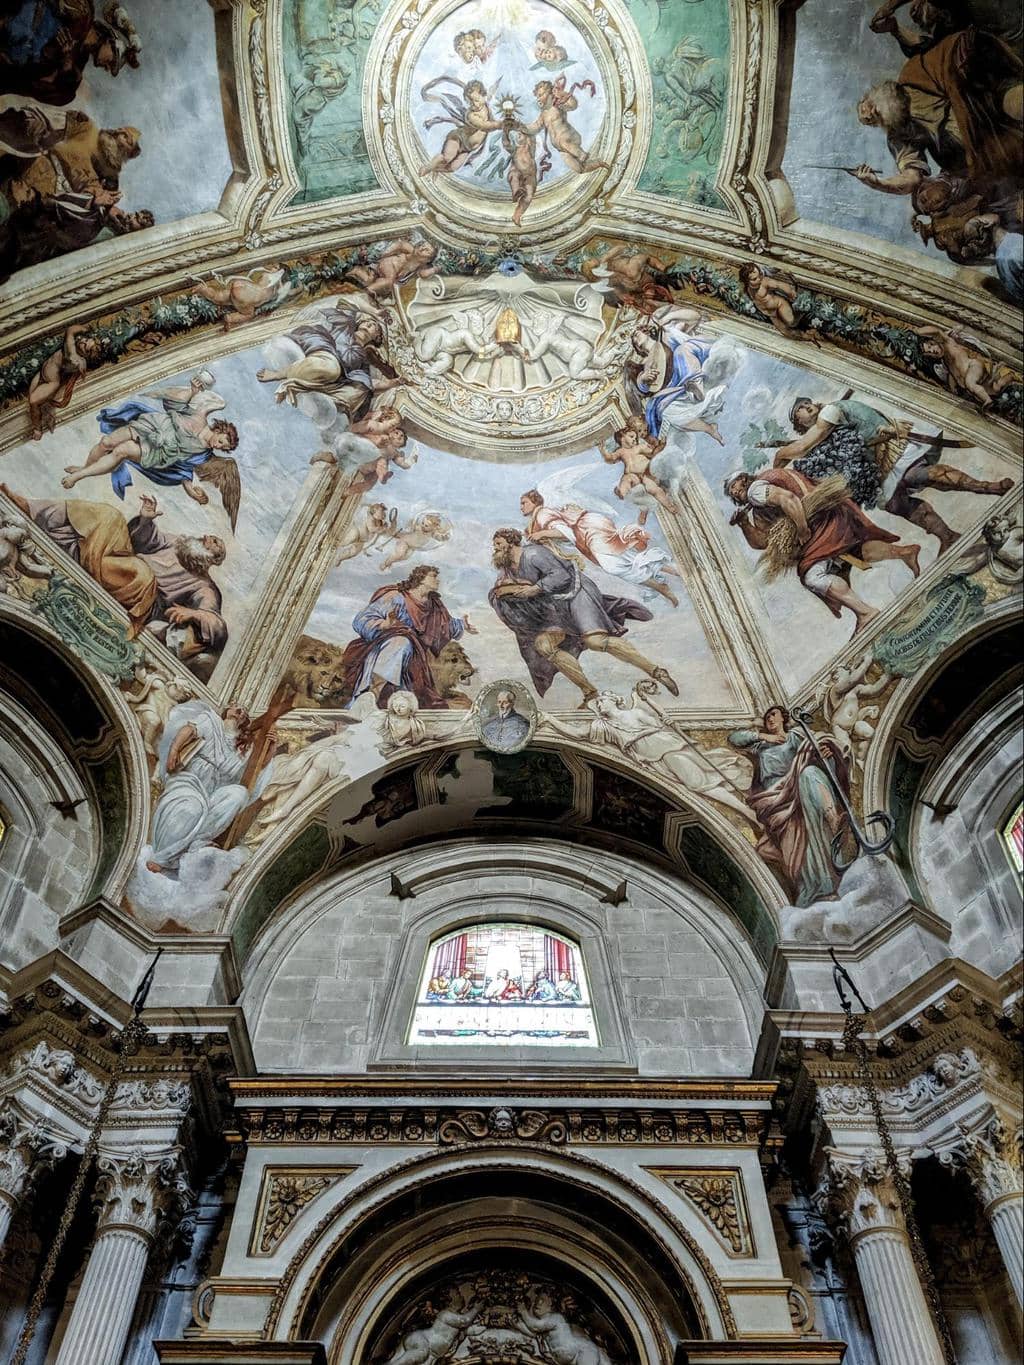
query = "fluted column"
x=26 y=1149
x=134 y=1195
x=863 y=1195
x=991 y=1158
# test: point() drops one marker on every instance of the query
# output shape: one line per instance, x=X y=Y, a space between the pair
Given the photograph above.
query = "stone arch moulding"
x=452 y=884
x=304 y=1288
x=999 y=626
x=692 y=842
x=86 y=713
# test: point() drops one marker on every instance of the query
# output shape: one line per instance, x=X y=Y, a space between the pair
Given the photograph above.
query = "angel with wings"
x=472 y=120
x=170 y=445
x=625 y=552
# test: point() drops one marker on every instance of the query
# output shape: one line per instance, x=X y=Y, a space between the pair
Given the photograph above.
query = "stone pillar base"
x=240 y=1352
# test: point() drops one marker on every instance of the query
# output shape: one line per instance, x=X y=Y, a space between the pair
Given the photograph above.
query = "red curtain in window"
x=557 y=957
x=450 y=958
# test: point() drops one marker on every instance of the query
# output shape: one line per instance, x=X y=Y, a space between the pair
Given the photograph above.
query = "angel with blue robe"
x=169 y=445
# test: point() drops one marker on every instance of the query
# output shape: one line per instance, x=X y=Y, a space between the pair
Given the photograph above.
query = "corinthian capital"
x=991 y=1159
x=26 y=1148
x=860 y=1192
x=140 y=1191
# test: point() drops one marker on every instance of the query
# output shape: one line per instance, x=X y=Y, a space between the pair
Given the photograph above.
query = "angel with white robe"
x=201 y=765
x=641 y=731
x=170 y=445
x=625 y=552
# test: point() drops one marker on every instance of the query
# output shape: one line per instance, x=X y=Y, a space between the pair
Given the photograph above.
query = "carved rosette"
x=717 y=1197
x=285 y=1193
x=992 y=1160
x=26 y=1149
x=142 y=1193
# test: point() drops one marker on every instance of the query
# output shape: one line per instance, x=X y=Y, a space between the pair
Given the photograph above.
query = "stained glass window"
x=508 y=984
x=1013 y=834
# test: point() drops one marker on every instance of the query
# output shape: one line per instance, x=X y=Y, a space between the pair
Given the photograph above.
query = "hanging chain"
x=852 y=1036
x=127 y=1045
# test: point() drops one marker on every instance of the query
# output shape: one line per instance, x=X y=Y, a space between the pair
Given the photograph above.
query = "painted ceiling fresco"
x=545 y=425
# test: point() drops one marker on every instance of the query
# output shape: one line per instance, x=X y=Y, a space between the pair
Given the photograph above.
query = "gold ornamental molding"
x=285 y=1191
x=717 y=1195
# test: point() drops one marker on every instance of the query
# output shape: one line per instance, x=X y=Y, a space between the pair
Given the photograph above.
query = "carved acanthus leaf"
x=287 y=1194
x=991 y=1158
x=715 y=1196
x=141 y=1191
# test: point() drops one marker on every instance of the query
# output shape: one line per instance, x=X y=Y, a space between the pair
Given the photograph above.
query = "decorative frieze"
x=284 y=1193
x=504 y=1123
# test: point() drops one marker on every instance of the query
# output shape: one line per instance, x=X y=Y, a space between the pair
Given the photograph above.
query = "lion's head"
x=317 y=673
x=452 y=671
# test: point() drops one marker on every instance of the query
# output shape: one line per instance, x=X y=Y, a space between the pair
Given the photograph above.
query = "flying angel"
x=555 y=518
x=168 y=447
x=470 y=114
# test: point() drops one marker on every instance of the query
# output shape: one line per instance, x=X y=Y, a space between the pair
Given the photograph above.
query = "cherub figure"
x=562 y=1342
x=425 y=530
x=521 y=149
x=634 y=451
x=578 y=355
x=555 y=102
x=472 y=119
x=473 y=48
x=368 y=528
x=845 y=706
x=372 y=472
x=18 y=558
x=240 y=297
x=549 y=53
x=444 y=1333
x=438 y=347
x=969 y=371
x=632 y=276
x=54 y=382
x=773 y=295
x=401 y=261
x=400 y=727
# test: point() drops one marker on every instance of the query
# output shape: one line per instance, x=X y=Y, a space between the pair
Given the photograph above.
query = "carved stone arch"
x=929 y=715
x=89 y=722
x=451 y=884
x=452 y=790
x=662 y=1243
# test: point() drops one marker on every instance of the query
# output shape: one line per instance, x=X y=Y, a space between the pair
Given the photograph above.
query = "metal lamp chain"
x=852 y=1035
x=127 y=1044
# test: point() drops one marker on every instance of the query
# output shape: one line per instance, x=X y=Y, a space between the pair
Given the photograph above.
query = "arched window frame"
x=501 y=983
x=441 y=913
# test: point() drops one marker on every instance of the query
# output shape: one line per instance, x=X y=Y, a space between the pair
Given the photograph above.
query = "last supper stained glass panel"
x=506 y=984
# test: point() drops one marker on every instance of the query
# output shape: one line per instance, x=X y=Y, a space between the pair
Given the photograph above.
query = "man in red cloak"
x=401 y=631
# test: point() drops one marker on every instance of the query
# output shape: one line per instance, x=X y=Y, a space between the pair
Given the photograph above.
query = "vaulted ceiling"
x=324 y=287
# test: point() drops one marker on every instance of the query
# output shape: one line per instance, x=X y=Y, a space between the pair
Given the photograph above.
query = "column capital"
x=860 y=1193
x=140 y=1191
x=991 y=1158
x=26 y=1148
